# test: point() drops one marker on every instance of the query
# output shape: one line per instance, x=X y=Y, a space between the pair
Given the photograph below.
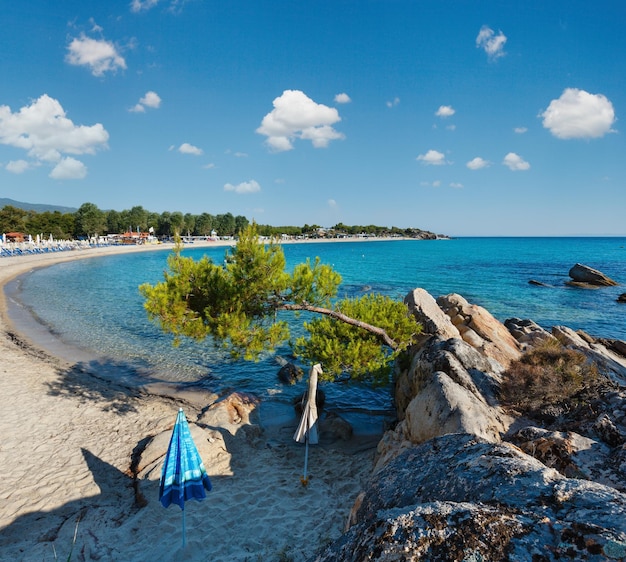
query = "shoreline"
x=72 y=437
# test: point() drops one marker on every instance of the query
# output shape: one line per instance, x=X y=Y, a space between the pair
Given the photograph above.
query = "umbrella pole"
x=183 y=528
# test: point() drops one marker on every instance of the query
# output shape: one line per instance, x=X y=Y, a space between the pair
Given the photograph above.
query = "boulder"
x=290 y=373
x=450 y=387
x=480 y=329
x=333 y=427
x=622 y=298
x=425 y=309
x=458 y=497
x=527 y=332
x=231 y=412
x=583 y=275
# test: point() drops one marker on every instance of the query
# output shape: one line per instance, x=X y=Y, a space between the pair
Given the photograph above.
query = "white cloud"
x=46 y=134
x=142 y=5
x=433 y=158
x=393 y=103
x=445 y=111
x=342 y=98
x=245 y=187
x=579 y=115
x=332 y=203
x=69 y=169
x=456 y=185
x=151 y=99
x=209 y=166
x=294 y=116
x=240 y=155
x=515 y=162
x=17 y=166
x=187 y=148
x=477 y=163
x=491 y=43
x=520 y=130
x=99 y=55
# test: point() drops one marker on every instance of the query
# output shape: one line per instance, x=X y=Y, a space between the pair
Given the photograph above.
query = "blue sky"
x=459 y=117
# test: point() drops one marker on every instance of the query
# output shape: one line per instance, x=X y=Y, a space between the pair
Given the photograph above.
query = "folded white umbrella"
x=307 y=429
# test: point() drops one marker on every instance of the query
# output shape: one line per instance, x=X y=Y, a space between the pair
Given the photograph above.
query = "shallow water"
x=94 y=310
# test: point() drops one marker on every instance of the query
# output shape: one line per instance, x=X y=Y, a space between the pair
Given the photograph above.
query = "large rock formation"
x=458 y=497
x=461 y=478
x=583 y=275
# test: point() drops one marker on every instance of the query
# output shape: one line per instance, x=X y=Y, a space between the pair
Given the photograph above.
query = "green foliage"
x=237 y=304
x=345 y=348
x=547 y=375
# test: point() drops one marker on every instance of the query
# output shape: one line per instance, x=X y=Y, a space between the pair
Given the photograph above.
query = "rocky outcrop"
x=458 y=497
x=610 y=364
x=527 y=332
x=434 y=321
x=458 y=478
x=621 y=298
x=480 y=329
x=585 y=276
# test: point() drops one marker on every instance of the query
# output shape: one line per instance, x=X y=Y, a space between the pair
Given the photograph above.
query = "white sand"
x=65 y=458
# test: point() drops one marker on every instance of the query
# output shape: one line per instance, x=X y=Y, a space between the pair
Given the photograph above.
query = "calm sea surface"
x=94 y=308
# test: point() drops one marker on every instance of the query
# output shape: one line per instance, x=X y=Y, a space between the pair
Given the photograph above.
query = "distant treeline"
x=89 y=220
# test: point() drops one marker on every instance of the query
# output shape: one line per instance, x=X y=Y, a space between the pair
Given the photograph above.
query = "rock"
x=480 y=329
x=527 y=332
x=450 y=387
x=290 y=373
x=434 y=320
x=538 y=283
x=622 y=298
x=457 y=497
x=333 y=427
x=609 y=363
x=444 y=406
x=231 y=412
x=583 y=275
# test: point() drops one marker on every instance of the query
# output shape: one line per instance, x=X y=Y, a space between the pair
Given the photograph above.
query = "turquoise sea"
x=91 y=311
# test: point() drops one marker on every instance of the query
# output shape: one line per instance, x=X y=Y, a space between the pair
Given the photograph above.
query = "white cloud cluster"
x=43 y=130
x=491 y=43
x=251 y=186
x=187 y=148
x=520 y=130
x=342 y=98
x=579 y=115
x=477 y=163
x=394 y=102
x=445 y=111
x=17 y=166
x=294 y=116
x=142 y=5
x=515 y=162
x=151 y=100
x=432 y=158
x=99 y=56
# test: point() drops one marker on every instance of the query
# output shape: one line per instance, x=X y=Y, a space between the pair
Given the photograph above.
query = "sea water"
x=94 y=307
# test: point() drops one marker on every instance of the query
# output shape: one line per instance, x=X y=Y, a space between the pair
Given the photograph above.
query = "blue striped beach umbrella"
x=183 y=476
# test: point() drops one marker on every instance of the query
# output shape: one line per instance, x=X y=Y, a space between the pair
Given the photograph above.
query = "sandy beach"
x=70 y=467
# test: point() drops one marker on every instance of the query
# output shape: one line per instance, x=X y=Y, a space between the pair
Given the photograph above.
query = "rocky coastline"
x=462 y=476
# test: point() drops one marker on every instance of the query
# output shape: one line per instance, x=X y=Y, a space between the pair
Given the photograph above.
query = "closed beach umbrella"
x=183 y=476
x=307 y=429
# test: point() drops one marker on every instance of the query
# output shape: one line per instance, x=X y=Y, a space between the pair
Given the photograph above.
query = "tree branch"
x=379 y=332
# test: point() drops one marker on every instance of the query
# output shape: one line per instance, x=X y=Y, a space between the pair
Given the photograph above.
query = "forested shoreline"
x=88 y=220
